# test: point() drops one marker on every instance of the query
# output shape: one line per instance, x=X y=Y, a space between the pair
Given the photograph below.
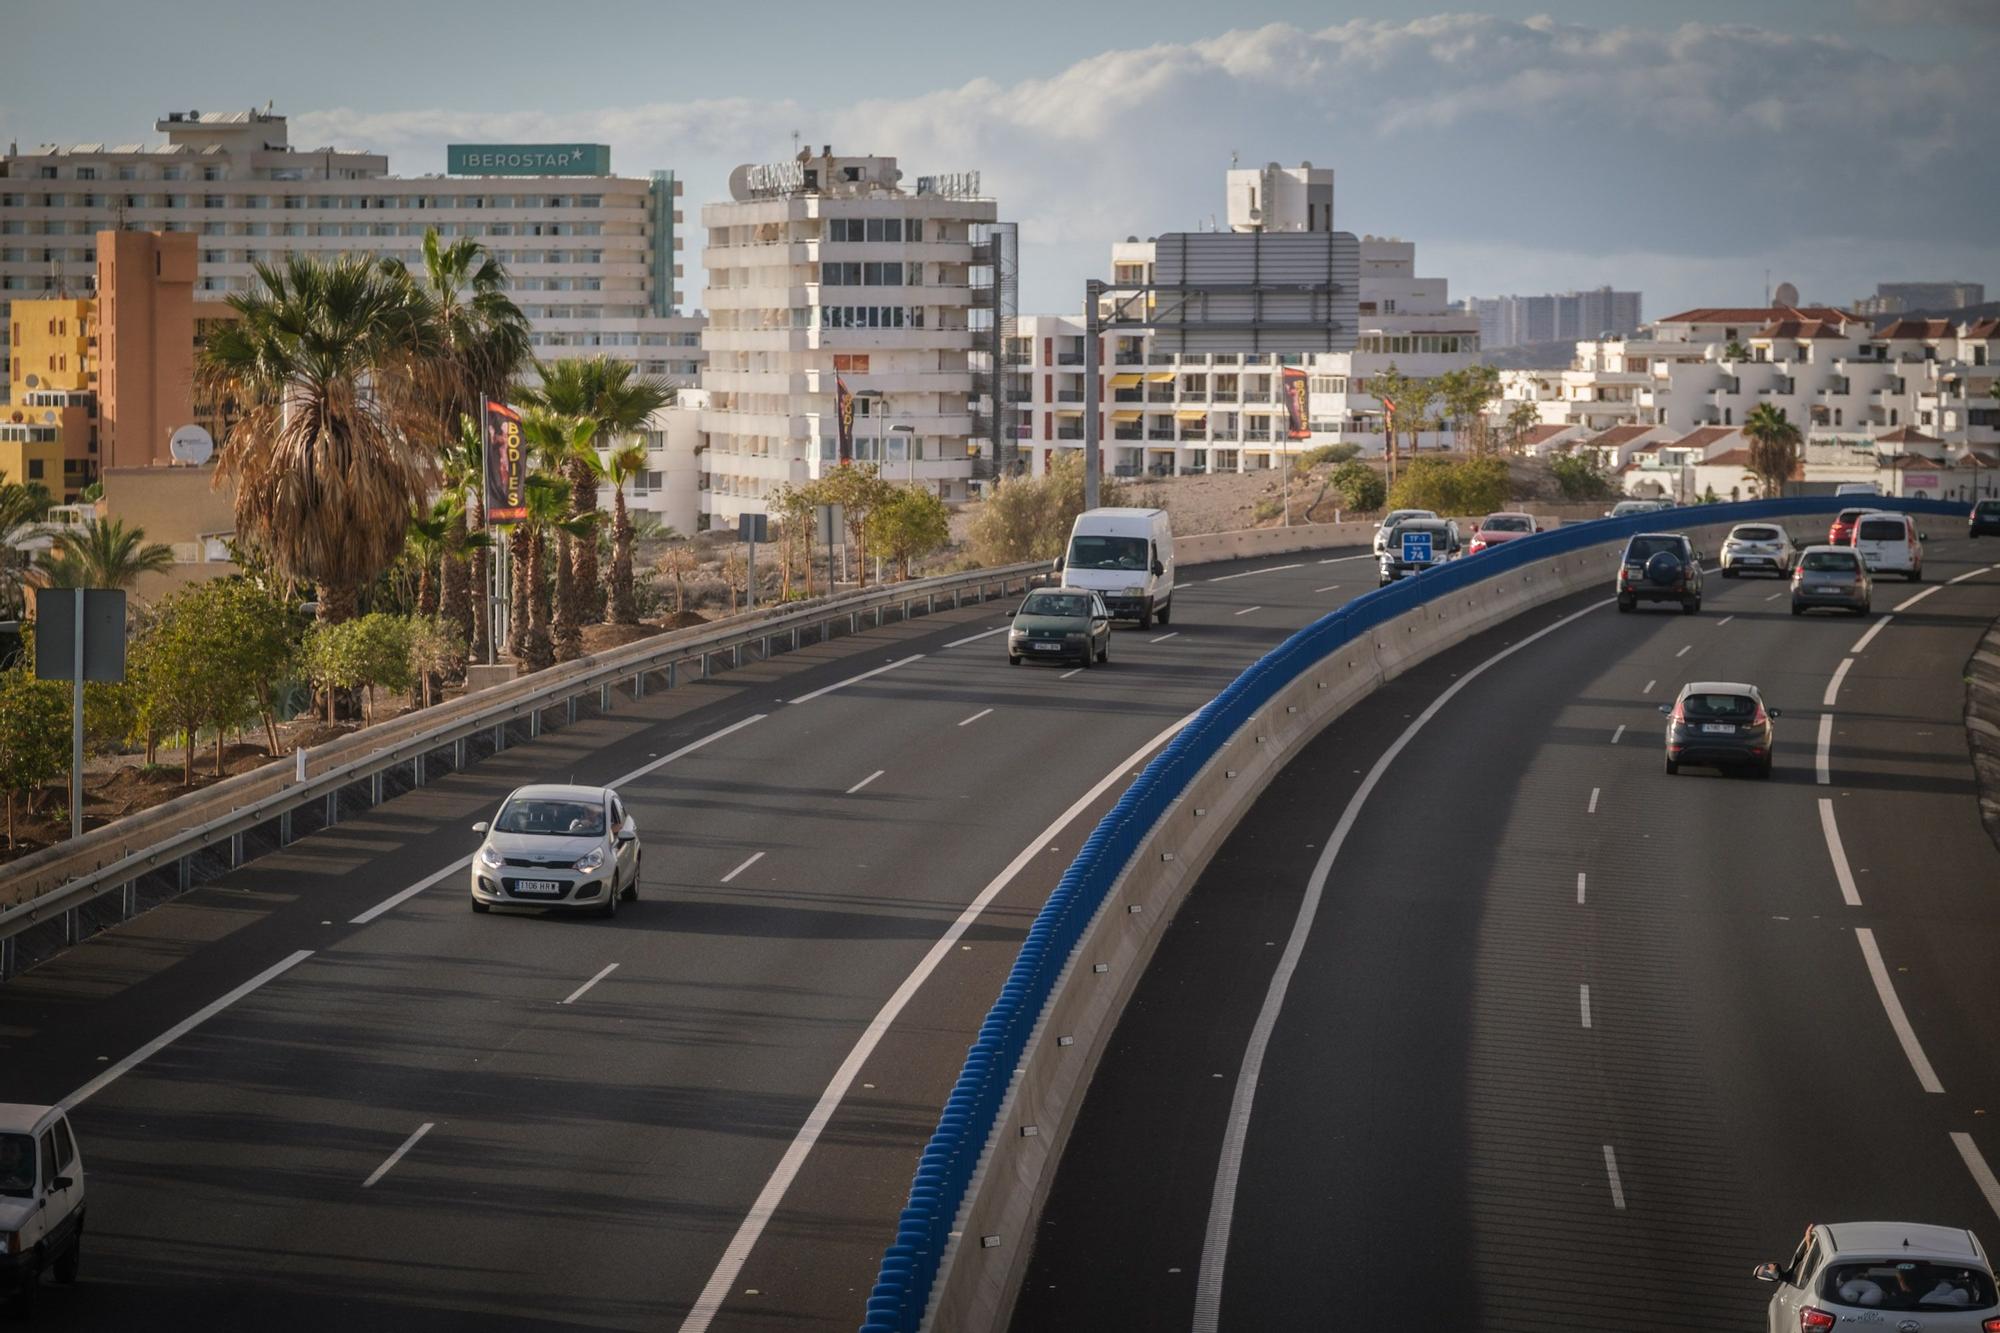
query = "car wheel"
x=1089 y=659
x=1916 y=575
x=65 y=1267
x=1690 y=605
x=1104 y=653
x=1798 y=610
x=1764 y=771
x=30 y=1279
x=1013 y=659
x=609 y=907
x=1728 y=573
x=1673 y=767
x=1166 y=613
x=1627 y=603
x=1146 y=618
x=478 y=906
x=632 y=889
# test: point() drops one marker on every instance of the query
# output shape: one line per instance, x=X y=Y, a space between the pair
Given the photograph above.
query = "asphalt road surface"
x=1568 y=1043
x=395 y=1114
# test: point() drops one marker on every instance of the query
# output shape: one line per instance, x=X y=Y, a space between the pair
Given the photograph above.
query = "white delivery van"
x=1889 y=543
x=1127 y=557
x=1857 y=488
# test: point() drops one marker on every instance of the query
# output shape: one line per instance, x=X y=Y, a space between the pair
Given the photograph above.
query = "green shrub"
x=1359 y=486
x=1581 y=476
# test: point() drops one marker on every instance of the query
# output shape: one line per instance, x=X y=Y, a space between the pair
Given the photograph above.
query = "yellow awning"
x=1160 y=377
x=1069 y=411
x=1126 y=416
x=1196 y=414
x=1128 y=381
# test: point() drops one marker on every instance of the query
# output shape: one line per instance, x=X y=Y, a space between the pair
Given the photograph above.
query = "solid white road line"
x=1683 y=652
x=1823 y=750
x=1848 y=893
x=1164 y=637
x=1248 y=572
x=1368 y=555
x=1616 y=734
x=398 y=898
x=1593 y=802
x=754 y=859
x=1909 y=602
x=864 y=782
x=1583 y=999
x=397 y=1155
x=975 y=638
x=179 y=1030
x=843 y=684
x=1926 y=1076
x=975 y=717
x=1973 y=574
x=1617 y=1186
x=1982 y=1174
x=1833 y=686
x=1246 y=610
x=1869 y=637
x=574 y=995
x=737 y=1252
x=1222 y=1198
x=1579 y=888
x=1649 y=686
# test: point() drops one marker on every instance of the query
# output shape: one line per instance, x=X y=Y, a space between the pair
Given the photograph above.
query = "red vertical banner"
x=506 y=465
x=1296 y=425
x=843 y=406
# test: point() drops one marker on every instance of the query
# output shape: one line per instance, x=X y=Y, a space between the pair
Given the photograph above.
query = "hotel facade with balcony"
x=830 y=269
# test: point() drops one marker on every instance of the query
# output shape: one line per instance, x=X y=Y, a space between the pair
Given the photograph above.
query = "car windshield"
x=17 y=1166
x=1643 y=549
x=1908 y=1284
x=1754 y=535
x=1056 y=604
x=1095 y=551
x=551 y=817
x=1728 y=707
x=1824 y=561
x=1882 y=530
x=1507 y=523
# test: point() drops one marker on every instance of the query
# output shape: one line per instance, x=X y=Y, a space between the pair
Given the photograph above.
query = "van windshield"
x=1882 y=530
x=1096 y=551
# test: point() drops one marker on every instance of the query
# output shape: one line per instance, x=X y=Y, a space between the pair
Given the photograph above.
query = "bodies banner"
x=1295 y=405
x=506 y=468
x=843 y=402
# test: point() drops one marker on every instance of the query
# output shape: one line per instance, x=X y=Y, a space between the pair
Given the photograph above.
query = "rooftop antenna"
x=795 y=143
x=1232 y=159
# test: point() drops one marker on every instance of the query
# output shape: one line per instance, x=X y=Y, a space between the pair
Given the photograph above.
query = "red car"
x=1842 y=531
x=1498 y=529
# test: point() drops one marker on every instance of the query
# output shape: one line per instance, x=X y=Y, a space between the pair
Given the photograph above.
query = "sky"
x=1682 y=147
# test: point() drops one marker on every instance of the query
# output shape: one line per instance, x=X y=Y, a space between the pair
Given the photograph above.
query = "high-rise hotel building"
x=593 y=257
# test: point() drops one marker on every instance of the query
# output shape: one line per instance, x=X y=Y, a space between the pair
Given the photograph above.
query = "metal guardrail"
x=162 y=852
x=932 y=1219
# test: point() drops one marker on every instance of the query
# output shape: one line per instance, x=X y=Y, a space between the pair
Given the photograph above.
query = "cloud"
x=1518 y=149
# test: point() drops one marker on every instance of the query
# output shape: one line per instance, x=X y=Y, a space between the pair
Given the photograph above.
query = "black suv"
x=1660 y=567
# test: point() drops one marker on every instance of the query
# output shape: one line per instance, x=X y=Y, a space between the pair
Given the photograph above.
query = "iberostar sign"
x=528 y=159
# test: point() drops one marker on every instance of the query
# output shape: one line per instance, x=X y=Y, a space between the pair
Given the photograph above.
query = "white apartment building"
x=826 y=269
x=1166 y=413
x=1914 y=389
x=592 y=257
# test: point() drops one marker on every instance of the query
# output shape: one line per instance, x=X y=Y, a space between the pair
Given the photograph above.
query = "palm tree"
x=22 y=509
x=322 y=365
x=103 y=555
x=426 y=546
x=624 y=464
x=547 y=502
x=483 y=343
x=617 y=400
x=462 y=602
x=1774 y=448
x=562 y=446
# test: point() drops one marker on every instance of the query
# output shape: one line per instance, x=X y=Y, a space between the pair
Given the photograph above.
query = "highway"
x=1480 y=1020
x=322 y=1093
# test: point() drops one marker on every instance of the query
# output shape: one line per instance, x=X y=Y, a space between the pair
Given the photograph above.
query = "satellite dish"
x=1786 y=294
x=739 y=182
x=49 y=416
x=191 y=445
x=32 y=381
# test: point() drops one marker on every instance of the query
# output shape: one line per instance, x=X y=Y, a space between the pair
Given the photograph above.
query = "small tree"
x=1581 y=475
x=1029 y=518
x=382 y=654
x=437 y=650
x=1359 y=486
x=330 y=658
x=677 y=562
x=735 y=575
x=34 y=736
x=857 y=489
x=908 y=525
x=794 y=507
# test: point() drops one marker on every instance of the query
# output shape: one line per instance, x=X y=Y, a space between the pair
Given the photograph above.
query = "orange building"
x=145 y=330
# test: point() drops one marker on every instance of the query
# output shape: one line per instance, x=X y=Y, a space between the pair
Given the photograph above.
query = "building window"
x=34 y=469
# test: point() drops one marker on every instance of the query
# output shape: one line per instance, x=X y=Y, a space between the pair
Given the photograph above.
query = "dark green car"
x=1061 y=625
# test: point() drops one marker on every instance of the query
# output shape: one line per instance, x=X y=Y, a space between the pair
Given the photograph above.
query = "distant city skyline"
x=1527 y=154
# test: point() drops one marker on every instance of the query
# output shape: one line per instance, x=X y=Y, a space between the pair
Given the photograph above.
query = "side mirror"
x=1158 y=569
x=1766 y=1273
x=1775 y=712
x=1057 y=564
x=61 y=1183
x=629 y=831
x=481 y=827
x=1667 y=708
x=1923 y=536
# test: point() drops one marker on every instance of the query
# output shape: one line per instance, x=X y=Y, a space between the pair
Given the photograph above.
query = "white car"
x=41 y=1200
x=1888 y=1275
x=1758 y=548
x=573 y=848
x=1389 y=522
x=1889 y=543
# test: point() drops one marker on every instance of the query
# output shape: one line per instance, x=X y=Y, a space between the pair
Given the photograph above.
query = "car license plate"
x=1042 y=647
x=548 y=886
x=1718 y=729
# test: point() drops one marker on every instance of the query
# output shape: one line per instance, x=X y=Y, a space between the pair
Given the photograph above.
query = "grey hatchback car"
x=557 y=846
x=1834 y=577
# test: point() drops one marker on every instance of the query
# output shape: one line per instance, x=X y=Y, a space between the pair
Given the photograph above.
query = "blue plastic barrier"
x=910 y=1265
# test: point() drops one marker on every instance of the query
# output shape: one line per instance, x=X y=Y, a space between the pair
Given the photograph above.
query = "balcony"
x=1069 y=358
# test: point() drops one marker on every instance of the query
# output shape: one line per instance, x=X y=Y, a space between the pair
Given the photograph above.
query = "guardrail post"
x=569 y=710
x=374 y=789
x=332 y=810
x=930 y=603
x=765 y=647
x=69 y=926
x=795 y=638
x=184 y=873
x=604 y=697
x=417 y=771
x=736 y=654
x=704 y=665
x=284 y=828
x=954 y=597
x=235 y=850
x=853 y=622
x=499 y=738
x=6 y=958
x=535 y=723
x=128 y=900
x=458 y=754
x=639 y=686
x=671 y=673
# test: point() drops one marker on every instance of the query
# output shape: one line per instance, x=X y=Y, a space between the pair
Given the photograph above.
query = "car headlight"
x=491 y=859
x=591 y=860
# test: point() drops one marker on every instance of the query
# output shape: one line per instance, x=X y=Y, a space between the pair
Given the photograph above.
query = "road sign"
x=753 y=527
x=1416 y=548
x=832 y=524
x=56 y=637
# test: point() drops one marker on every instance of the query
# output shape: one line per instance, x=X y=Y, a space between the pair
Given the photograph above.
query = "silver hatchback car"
x=573 y=848
x=1834 y=577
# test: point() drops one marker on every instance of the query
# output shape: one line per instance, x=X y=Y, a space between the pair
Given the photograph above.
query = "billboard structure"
x=1275 y=292
x=506 y=466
